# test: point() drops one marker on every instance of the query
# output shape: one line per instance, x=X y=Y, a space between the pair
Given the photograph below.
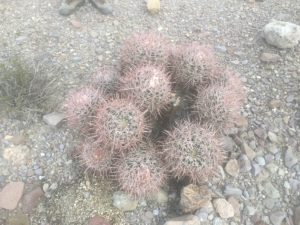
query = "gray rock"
x=124 y=202
x=249 y=151
x=282 y=34
x=269 y=57
x=270 y=190
x=269 y=203
x=221 y=48
x=295 y=184
x=290 y=159
x=184 y=220
x=217 y=221
x=256 y=169
x=54 y=118
x=203 y=216
x=231 y=191
x=250 y=210
x=277 y=217
x=244 y=163
x=273 y=137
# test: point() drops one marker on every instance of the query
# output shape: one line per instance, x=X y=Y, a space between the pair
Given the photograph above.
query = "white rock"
x=54 y=118
x=282 y=34
x=124 y=202
x=153 y=6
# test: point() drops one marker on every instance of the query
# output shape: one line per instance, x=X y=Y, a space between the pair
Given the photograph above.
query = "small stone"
x=262 y=176
x=54 y=118
x=260 y=160
x=217 y=221
x=45 y=187
x=203 y=216
x=244 y=163
x=228 y=144
x=256 y=169
x=161 y=197
x=98 y=220
x=277 y=217
x=236 y=206
x=224 y=208
x=290 y=159
x=273 y=149
x=269 y=203
x=229 y=191
x=194 y=197
x=273 y=137
x=250 y=210
x=155 y=212
x=184 y=220
x=32 y=199
x=270 y=190
x=75 y=23
x=275 y=103
x=290 y=98
x=297 y=216
x=221 y=48
x=124 y=202
x=282 y=34
x=249 y=151
x=272 y=167
x=153 y=6
x=11 y=194
x=18 y=139
x=232 y=168
x=269 y=57
x=295 y=184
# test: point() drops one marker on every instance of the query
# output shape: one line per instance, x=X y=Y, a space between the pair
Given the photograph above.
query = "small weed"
x=24 y=88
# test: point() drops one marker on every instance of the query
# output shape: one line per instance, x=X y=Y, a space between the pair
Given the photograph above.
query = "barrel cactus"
x=80 y=105
x=149 y=87
x=106 y=79
x=192 y=151
x=119 y=124
x=140 y=172
x=142 y=49
x=193 y=65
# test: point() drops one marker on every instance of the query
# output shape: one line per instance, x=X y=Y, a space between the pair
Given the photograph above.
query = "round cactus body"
x=220 y=104
x=119 y=124
x=194 y=65
x=141 y=173
x=96 y=157
x=81 y=104
x=149 y=87
x=106 y=79
x=193 y=151
x=142 y=49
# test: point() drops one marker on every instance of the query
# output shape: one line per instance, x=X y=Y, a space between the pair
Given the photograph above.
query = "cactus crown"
x=149 y=87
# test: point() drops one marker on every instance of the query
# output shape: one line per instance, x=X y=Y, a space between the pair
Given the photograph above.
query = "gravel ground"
x=81 y=43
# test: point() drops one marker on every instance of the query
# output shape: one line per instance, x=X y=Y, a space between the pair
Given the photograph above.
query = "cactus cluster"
x=181 y=93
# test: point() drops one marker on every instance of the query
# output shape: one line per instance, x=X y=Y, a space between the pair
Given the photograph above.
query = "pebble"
x=250 y=210
x=260 y=160
x=98 y=220
x=11 y=194
x=54 y=118
x=290 y=159
x=194 y=197
x=221 y=48
x=124 y=202
x=282 y=34
x=229 y=191
x=256 y=169
x=277 y=217
x=269 y=57
x=228 y=144
x=153 y=6
x=273 y=137
x=244 y=163
x=270 y=190
x=217 y=221
x=236 y=206
x=232 y=167
x=184 y=220
x=250 y=153
x=223 y=208
x=32 y=199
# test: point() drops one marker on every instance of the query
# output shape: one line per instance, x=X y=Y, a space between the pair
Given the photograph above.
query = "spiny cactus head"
x=120 y=124
x=96 y=157
x=80 y=105
x=193 y=151
x=220 y=104
x=194 y=65
x=106 y=79
x=144 y=48
x=141 y=173
x=149 y=87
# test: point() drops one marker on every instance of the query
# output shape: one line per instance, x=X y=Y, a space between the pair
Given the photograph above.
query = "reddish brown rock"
x=98 y=220
x=11 y=194
x=32 y=199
